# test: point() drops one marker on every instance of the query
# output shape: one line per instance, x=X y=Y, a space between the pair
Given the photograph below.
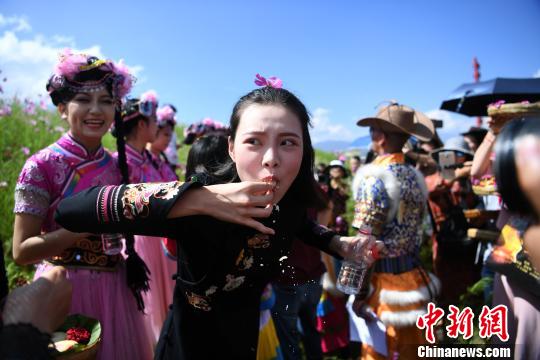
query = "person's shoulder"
x=373 y=176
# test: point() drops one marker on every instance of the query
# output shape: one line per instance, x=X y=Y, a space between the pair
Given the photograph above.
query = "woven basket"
x=505 y=112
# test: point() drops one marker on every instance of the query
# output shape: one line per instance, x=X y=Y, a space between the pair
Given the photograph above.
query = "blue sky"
x=342 y=58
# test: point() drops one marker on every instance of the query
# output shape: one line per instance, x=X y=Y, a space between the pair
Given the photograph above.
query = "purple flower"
x=43 y=104
x=29 y=107
x=33 y=122
x=5 y=110
x=25 y=150
x=59 y=129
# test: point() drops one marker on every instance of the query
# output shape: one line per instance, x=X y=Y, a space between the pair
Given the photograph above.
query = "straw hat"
x=399 y=118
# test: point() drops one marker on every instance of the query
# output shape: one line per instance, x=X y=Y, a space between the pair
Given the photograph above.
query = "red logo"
x=490 y=322
x=494 y=322
x=460 y=322
x=429 y=320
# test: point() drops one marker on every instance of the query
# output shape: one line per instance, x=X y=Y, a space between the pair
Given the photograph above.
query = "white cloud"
x=28 y=61
x=16 y=23
x=324 y=129
x=537 y=74
x=453 y=123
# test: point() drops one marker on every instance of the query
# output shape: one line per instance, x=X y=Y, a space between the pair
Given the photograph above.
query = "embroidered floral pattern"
x=233 y=282
x=30 y=199
x=86 y=252
x=401 y=234
x=198 y=301
x=136 y=198
x=259 y=241
x=211 y=290
x=244 y=260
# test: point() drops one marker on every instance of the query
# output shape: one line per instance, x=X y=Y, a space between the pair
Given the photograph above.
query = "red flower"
x=80 y=335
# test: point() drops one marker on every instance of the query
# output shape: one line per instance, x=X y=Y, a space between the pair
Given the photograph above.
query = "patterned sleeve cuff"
x=135 y=208
x=30 y=199
x=147 y=201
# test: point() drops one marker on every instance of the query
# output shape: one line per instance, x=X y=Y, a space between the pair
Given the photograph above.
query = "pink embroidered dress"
x=99 y=281
x=162 y=269
x=164 y=168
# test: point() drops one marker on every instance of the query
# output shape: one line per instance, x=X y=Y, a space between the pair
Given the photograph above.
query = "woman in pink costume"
x=87 y=92
x=166 y=121
x=139 y=127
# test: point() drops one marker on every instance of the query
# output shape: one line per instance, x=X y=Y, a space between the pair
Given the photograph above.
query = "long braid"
x=137 y=272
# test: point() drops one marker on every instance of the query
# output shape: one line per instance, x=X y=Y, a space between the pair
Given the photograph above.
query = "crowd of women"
x=240 y=259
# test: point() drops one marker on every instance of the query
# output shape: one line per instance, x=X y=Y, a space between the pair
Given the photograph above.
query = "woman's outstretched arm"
x=156 y=208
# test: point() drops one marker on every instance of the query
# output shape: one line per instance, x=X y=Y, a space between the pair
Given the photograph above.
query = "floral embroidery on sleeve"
x=259 y=241
x=136 y=198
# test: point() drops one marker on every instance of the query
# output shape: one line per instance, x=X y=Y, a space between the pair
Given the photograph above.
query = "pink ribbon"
x=272 y=81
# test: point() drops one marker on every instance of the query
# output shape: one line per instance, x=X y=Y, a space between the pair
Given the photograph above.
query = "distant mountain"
x=332 y=145
x=362 y=142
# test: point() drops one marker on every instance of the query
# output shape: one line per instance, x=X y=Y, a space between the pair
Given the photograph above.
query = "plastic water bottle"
x=352 y=274
x=112 y=243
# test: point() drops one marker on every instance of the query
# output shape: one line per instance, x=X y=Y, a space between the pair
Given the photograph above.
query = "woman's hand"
x=30 y=246
x=357 y=248
x=44 y=303
x=239 y=203
x=495 y=125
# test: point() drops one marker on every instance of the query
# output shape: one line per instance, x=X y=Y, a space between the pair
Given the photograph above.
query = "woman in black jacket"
x=233 y=237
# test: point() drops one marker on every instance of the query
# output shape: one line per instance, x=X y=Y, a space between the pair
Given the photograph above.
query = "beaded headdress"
x=85 y=73
x=145 y=106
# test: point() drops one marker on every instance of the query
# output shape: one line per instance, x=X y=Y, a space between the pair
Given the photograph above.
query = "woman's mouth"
x=94 y=123
x=273 y=180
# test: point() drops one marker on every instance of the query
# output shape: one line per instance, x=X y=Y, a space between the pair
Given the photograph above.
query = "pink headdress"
x=272 y=81
x=85 y=73
x=166 y=115
x=146 y=106
x=149 y=96
x=204 y=127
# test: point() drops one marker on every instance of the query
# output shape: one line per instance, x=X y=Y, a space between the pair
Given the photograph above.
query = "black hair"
x=136 y=270
x=356 y=157
x=505 y=165
x=209 y=155
x=303 y=189
x=370 y=156
x=130 y=110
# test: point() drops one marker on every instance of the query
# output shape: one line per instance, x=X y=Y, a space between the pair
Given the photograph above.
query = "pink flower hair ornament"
x=85 y=73
x=148 y=103
x=272 y=81
x=207 y=126
x=166 y=115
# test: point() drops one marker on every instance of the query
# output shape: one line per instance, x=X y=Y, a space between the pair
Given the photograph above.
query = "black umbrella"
x=472 y=99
